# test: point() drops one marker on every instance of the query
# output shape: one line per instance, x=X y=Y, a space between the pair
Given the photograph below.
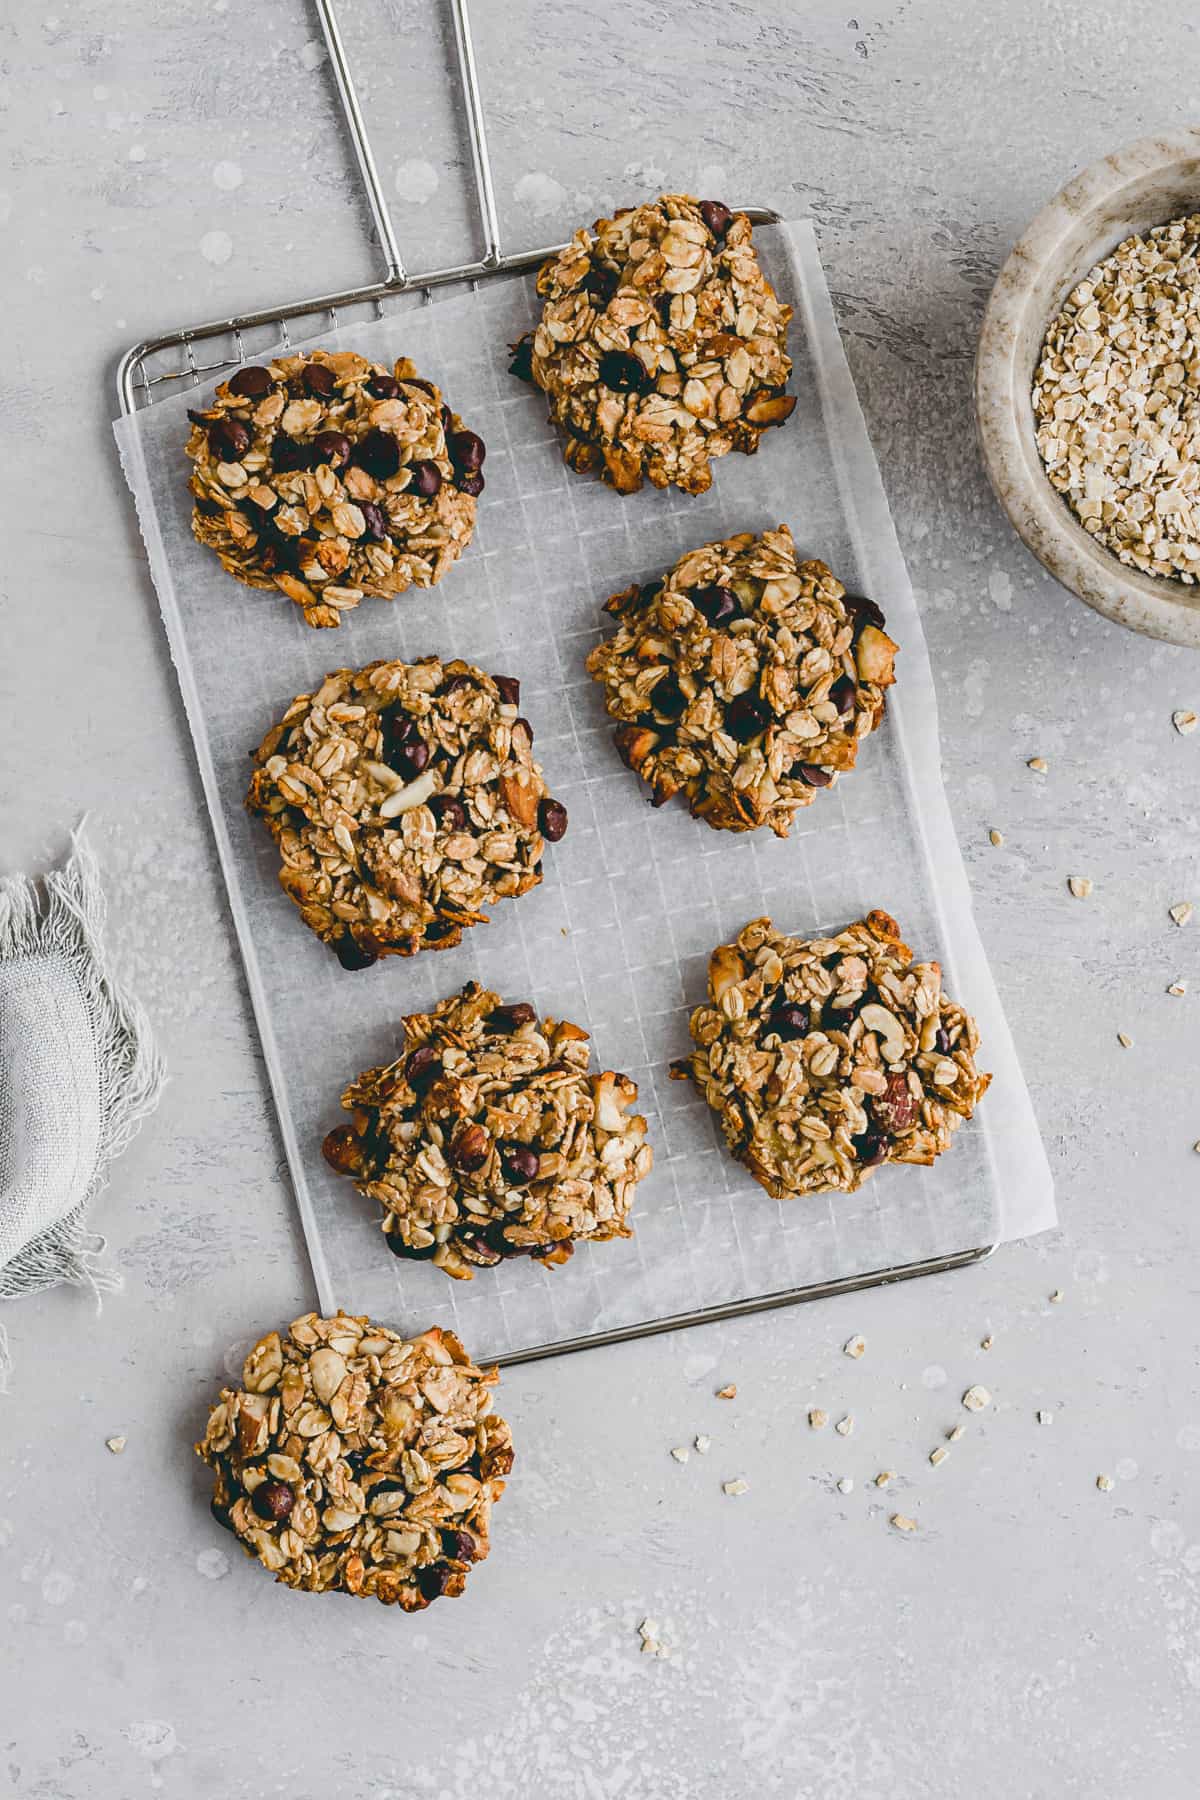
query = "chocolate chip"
x=870 y=1148
x=522 y=362
x=747 y=717
x=510 y=1018
x=413 y=1253
x=412 y=759
x=400 y=733
x=668 y=698
x=510 y=689
x=552 y=820
x=251 y=383
x=789 y=1020
x=811 y=775
x=447 y=418
x=943 y=1041
x=425 y=479
x=228 y=439
x=716 y=604
x=343 y=1150
x=519 y=1162
x=621 y=370
x=434 y=1581
x=423 y=1067
x=374 y=519
x=470 y=1150
x=459 y=1544
x=199 y=418
x=650 y=590
x=353 y=955
x=601 y=283
x=471 y=484
x=383 y=387
x=466 y=451
x=716 y=216
x=332 y=447
x=448 y=811
x=318 y=380
x=289 y=453
x=273 y=1500
x=455 y=683
x=862 y=611
x=221 y=1515
x=378 y=453
x=842 y=694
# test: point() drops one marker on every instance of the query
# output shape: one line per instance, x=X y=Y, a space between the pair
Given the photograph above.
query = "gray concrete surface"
x=1035 y=1637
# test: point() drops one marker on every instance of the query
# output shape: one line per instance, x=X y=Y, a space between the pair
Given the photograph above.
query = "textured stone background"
x=1035 y=1637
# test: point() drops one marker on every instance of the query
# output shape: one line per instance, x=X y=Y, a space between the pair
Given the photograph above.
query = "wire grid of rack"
x=190 y=354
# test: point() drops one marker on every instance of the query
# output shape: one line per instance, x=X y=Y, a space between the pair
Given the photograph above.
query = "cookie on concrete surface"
x=825 y=1057
x=661 y=344
x=744 y=680
x=356 y=1460
x=327 y=477
x=404 y=798
x=488 y=1138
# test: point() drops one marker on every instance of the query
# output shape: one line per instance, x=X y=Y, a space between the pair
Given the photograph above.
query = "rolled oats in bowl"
x=1116 y=399
x=661 y=344
x=327 y=477
x=825 y=1057
x=354 y=1460
x=489 y=1138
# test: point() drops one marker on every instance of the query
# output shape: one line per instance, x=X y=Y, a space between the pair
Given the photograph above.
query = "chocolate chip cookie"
x=661 y=344
x=744 y=680
x=488 y=1138
x=326 y=477
x=355 y=1460
x=825 y=1057
x=404 y=798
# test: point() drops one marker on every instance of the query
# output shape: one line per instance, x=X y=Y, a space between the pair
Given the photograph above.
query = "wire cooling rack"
x=191 y=354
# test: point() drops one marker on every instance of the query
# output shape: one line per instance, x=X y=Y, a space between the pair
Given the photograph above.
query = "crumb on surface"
x=735 y=1487
x=818 y=1418
x=854 y=1346
x=902 y=1522
x=976 y=1398
x=728 y=1393
x=115 y=1444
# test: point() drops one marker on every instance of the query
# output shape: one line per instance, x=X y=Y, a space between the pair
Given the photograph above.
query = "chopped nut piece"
x=1056 y=1297
x=736 y=1487
x=1125 y=1041
x=728 y=1393
x=939 y=1455
x=854 y=1346
x=703 y=1444
x=884 y=1476
x=1177 y=988
x=680 y=1453
x=844 y=1426
x=995 y=837
x=489 y=1138
x=1038 y=764
x=1181 y=912
x=846 y=1485
x=986 y=1342
x=976 y=1398
x=649 y=1628
x=116 y=1444
x=902 y=1522
x=1080 y=886
x=1184 y=721
x=817 y=1418
x=955 y=1433
x=1104 y=1483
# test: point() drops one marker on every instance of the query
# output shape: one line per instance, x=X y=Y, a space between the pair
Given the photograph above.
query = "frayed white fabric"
x=78 y=1073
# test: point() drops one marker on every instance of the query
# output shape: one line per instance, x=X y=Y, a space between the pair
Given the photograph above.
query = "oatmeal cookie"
x=488 y=1138
x=355 y=1460
x=744 y=680
x=661 y=344
x=324 y=476
x=404 y=798
x=825 y=1057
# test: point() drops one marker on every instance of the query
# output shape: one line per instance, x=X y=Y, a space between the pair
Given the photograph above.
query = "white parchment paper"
x=618 y=935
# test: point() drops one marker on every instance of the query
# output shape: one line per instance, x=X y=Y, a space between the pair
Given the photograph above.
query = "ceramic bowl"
x=1146 y=184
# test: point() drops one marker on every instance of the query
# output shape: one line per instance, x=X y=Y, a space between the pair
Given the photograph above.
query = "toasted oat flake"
x=115 y=1444
x=902 y=1522
x=884 y=1476
x=703 y=1444
x=817 y=1418
x=728 y=1393
x=845 y=1426
x=939 y=1455
x=1177 y=988
x=995 y=837
x=649 y=1628
x=1184 y=721
x=854 y=1346
x=1182 y=911
x=1080 y=886
x=1038 y=764
x=735 y=1487
x=1104 y=1483
x=955 y=1433
x=1124 y=1040
x=680 y=1453
x=976 y=1398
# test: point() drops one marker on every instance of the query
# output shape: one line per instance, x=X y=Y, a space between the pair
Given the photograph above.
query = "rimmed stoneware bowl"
x=1152 y=181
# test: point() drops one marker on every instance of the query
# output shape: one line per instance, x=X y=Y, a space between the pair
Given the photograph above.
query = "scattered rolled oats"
x=403 y=798
x=1038 y=764
x=735 y=1487
x=1124 y=1040
x=1114 y=399
x=680 y=1453
x=1181 y=912
x=826 y=1057
x=353 y=1458
x=1104 y=1483
x=703 y=1444
x=902 y=1522
x=115 y=1444
x=325 y=477
x=976 y=1398
x=728 y=1393
x=661 y=344
x=938 y=1455
x=488 y=1138
x=1080 y=886
x=995 y=837
x=846 y=1485
x=817 y=1418
x=855 y=1346
x=744 y=680
x=844 y=1426
x=1184 y=721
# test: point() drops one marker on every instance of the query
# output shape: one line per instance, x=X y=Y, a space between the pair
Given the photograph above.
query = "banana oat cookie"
x=403 y=798
x=327 y=477
x=661 y=344
x=357 y=1460
x=488 y=1138
x=744 y=680
x=825 y=1057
